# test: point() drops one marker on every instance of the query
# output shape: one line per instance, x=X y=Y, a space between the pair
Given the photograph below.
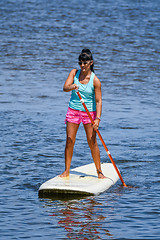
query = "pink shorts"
x=76 y=116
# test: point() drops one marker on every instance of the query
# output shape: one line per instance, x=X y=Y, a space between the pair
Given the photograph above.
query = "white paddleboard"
x=82 y=181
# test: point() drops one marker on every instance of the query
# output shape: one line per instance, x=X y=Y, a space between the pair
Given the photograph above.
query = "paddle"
x=92 y=121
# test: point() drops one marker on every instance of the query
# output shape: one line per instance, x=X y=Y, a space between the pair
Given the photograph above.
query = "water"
x=40 y=43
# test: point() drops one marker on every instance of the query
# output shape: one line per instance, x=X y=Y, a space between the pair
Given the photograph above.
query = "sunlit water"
x=40 y=43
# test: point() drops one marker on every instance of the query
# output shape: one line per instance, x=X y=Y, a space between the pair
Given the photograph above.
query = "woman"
x=89 y=86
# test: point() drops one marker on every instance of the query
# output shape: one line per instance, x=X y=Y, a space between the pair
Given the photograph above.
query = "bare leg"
x=92 y=142
x=71 y=132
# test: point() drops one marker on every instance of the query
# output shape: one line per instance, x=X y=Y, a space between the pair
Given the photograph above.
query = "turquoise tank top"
x=87 y=93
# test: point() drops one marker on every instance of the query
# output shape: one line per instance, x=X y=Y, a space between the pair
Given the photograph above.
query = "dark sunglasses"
x=85 y=62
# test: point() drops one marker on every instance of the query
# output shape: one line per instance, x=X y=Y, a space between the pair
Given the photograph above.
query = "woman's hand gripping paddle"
x=92 y=121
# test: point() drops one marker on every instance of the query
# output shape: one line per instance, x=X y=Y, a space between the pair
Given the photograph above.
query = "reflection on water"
x=81 y=219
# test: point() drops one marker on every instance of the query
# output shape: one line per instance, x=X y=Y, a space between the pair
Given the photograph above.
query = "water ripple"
x=40 y=42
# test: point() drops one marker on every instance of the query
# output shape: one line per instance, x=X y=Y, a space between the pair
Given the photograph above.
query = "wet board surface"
x=82 y=181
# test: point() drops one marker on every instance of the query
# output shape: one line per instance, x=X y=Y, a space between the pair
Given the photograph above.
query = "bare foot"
x=64 y=174
x=100 y=175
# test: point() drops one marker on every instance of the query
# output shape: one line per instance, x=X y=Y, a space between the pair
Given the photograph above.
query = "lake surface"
x=40 y=42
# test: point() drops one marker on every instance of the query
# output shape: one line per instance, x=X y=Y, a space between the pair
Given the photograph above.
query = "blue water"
x=39 y=43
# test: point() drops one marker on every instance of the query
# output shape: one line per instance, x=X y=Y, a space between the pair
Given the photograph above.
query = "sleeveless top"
x=87 y=93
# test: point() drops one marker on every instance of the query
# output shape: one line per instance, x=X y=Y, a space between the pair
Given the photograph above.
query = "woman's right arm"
x=69 y=85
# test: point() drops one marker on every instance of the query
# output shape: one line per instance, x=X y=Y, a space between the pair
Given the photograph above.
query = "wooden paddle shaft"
x=92 y=121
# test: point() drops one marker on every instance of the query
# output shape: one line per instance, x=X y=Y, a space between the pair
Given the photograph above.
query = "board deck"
x=82 y=181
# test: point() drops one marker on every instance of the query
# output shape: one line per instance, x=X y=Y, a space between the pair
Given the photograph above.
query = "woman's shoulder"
x=96 y=81
x=73 y=71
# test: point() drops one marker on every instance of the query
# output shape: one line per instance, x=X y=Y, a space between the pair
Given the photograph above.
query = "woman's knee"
x=70 y=141
x=92 y=142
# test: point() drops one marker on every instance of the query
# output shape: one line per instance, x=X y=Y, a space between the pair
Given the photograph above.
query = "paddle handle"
x=92 y=121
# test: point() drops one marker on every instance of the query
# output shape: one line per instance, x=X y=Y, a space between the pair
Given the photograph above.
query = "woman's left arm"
x=98 y=98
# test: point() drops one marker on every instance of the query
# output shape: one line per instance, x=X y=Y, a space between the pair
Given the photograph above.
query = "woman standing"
x=89 y=86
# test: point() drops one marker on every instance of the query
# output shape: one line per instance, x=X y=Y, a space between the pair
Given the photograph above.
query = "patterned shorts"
x=76 y=116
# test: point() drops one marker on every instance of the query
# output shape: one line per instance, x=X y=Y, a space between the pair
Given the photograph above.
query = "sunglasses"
x=85 y=62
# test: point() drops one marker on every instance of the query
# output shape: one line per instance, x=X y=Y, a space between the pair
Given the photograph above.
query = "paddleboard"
x=82 y=181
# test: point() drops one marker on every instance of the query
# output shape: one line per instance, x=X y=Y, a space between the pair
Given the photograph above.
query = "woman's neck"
x=85 y=73
x=84 y=77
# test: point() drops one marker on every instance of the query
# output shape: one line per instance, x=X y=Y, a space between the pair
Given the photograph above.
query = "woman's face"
x=85 y=65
